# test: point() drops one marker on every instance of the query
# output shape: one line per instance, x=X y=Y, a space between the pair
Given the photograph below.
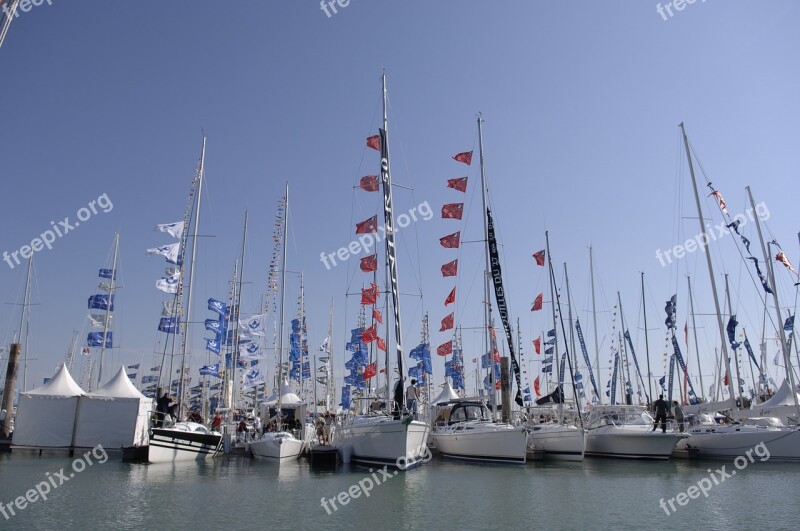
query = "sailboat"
x=185 y=441
x=395 y=438
x=471 y=432
x=283 y=444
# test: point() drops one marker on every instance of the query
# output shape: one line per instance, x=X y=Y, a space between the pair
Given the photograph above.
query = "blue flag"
x=101 y=302
x=95 y=339
x=217 y=307
x=106 y=273
x=170 y=325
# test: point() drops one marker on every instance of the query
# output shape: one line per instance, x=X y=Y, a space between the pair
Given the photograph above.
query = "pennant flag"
x=213 y=345
x=101 y=302
x=218 y=307
x=369 y=183
x=452 y=241
x=450 y=298
x=217 y=326
x=173 y=229
x=445 y=349
x=149 y=379
x=95 y=339
x=133 y=366
x=459 y=184
x=537 y=303
x=170 y=307
x=381 y=343
x=536 y=387
x=370 y=370
x=374 y=142
x=788 y=325
x=447 y=322
x=105 y=286
x=376 y=314
x=465 y=157
x=450 y=269
x=170 y=325
x=452 y=211
x=106 y=273
x=369 y=295
x=210 y=370
x=99 y=320
x=551 y=332
x=171 y=252
x=718 y=196
x=367 y=226
x=369 y=263
x=169 y=284
x=671 y=308
x=539 y=257
x=255 y=325
x=537 y=345
x=780 y=257
x=370 y=334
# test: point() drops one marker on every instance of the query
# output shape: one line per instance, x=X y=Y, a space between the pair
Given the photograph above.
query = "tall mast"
x=5 y=19
x=628 y=393
x=571 y=325
x=694 y=328
x=330 y=395
x=236 y=313
x=771 y=276
x=647 y=344
x=22 y=323
x=487 y=314
x=594 y=320
x=735 y=356
x=551 y=276
x=190 y=290
x=283 y=296
x=108 y=309
x=720 y=325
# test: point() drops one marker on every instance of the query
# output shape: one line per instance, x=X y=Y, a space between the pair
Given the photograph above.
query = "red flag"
x=369 y=263
x=452 y=241
x=370 y=370
x=722 y=205
x=367 y=226
x=725 y=381
x=445 y=348
x=369 y=334
x=780 y=257
x=447 y=322
x=537 y=304
x=450 y=269
x=369 y=183
x=374 y=142
x=539 y=257
x=537 y=345
x=465 y=157
x=381 y=344
x=376 y=314
x=450 y=298
x=369 y=295
x=453 y=211
x=459 y=184
x=536 y=386
x=383 y=371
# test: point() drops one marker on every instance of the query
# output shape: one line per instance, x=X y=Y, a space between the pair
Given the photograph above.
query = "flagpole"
x=108 y=310
x=283 y=306
x=486 y=297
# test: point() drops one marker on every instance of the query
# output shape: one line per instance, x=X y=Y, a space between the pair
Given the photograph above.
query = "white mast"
x=694 y=333
x=283 y=304
x=108 y=310
x=23 y=322
x=487 y=272
x=594 y=320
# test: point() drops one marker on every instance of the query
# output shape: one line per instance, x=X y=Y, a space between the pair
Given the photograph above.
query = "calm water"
x=238 y=493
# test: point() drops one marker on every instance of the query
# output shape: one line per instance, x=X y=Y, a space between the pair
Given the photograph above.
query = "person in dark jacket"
x=661 y=408
x=162 y=409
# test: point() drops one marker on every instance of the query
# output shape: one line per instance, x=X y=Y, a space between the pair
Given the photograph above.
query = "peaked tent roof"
x=782 y=397
x=119 y=386
x=60 y=385
x=447 y=395
x=288 y=397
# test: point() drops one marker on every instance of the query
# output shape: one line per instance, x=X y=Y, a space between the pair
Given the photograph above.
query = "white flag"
x=169 y=284
x=169 y=307
x=105 y=286
x=253 y=325
x=98 y=320
x=170 y=252
x=173 y=229
x=324 y=346
x=169 y=271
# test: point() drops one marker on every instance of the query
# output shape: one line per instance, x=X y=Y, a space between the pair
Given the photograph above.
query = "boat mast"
x=487 y=314
x=551 y=276
x=735 y=356
x=108 y=309
x=594 y=320
x=283 y=305
x=5 y=21
x=190 y=290
x=330 y=397
x=628 y=390
x=771 y=277
x=720 y=325
x=236 y=313
x=23 y=321
x=571 y=329
x=694 y=333
x=647 y=344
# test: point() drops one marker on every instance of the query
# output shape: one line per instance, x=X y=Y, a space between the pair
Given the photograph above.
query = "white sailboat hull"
x=481 y=441
x=280 y=446
x=169 y=445
x=383 y=441
x=630 y=442
x=565 y=443
x=782 y=444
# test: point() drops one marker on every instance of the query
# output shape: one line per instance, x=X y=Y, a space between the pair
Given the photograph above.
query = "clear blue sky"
x=581 y=102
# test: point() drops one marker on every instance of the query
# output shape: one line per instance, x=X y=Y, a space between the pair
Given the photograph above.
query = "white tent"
x=288 y=397
x=447 y=395
x=115 y=416
x=782 y=397
x=46 y=415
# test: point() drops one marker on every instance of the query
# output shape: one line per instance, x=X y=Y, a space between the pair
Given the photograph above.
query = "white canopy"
x=447 y=395
x=782 y=397
x=116 y=415
x=288 y=397
x=46 y=415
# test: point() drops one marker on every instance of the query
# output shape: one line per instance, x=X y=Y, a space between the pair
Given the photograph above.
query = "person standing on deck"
x=661 y=408
x=162 y=409
x=412 y=397
x=679 y=416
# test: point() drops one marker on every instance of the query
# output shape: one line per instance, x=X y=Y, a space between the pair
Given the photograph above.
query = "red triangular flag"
x=376 y=314
x=381 y=344
x=452 y=241
x=374 y=142
x=369 y=263
x=536 y=386
x=369 y=183
x=450 y=298
x=459 y=184
x=453 y=211
x=367 y=226
x=369 y=295
x=369 y=334
x=539 y=257
x=465 y=157
x=780 y=257
x=445 y=349
x=537 y=304
x=382 y=371
x=370 y=370
x=537 y=345
x=450 y=269
x=447 y=322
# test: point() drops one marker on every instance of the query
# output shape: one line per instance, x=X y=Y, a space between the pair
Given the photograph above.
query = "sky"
x=581 y=103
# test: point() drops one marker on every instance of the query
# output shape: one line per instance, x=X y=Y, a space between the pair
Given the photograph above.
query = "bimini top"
x=61 y=385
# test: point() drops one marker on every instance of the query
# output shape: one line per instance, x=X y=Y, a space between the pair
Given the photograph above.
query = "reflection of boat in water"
x=627 y=432
x=185 y=441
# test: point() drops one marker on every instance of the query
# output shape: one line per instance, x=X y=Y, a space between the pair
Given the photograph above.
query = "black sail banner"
x=391 y=261
x=500 y=297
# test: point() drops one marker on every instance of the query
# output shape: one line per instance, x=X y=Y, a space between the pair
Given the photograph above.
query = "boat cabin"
x=468 y=411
